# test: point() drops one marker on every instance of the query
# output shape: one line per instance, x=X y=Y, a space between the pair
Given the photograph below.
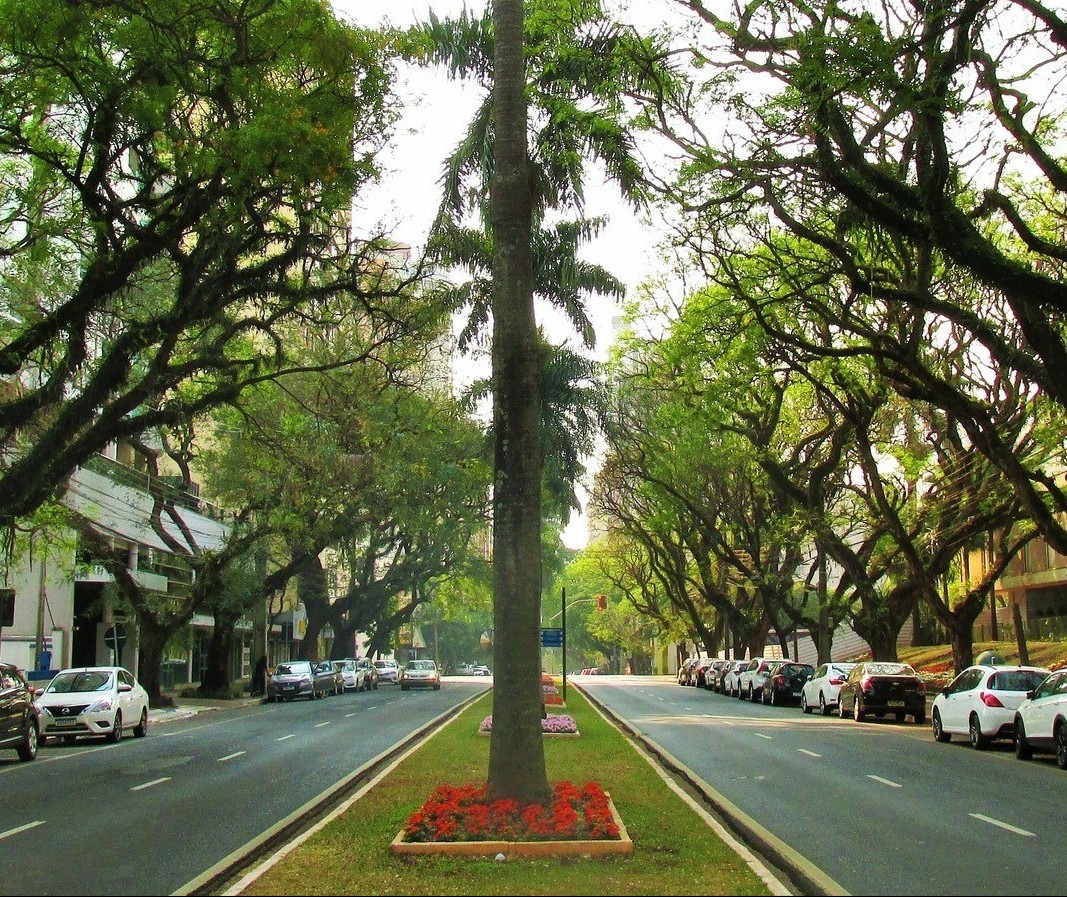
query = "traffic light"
x=601 y=602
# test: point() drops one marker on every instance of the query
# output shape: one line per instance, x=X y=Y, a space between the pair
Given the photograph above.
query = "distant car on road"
x=981 y=702
x=296 y=679
x=481 y=670
x=388 y=671
x=420 y=674
x=93 y=701
x=19 y=723
x=823 y=688
x=878 y=688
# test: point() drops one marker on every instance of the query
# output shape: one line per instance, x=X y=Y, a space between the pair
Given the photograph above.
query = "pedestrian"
x=259 y=677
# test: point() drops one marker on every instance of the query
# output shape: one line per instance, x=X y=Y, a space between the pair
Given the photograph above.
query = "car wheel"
x=857 y=711
x=824 y=708
x=940 y=734
x=141 y=729
x=116 y=730
x=28 y=747
x=1022 y=749
x=804 y=703
x=974 y=730
x=1061 y=745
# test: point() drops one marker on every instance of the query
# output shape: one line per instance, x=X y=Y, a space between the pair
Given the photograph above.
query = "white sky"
x=435 y=117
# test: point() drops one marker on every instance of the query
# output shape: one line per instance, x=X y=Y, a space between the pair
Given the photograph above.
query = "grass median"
x=675 y=851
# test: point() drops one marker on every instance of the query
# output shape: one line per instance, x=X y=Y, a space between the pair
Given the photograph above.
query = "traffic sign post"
x=551 y=638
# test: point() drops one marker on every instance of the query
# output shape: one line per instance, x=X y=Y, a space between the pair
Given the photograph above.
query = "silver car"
x=388 y=671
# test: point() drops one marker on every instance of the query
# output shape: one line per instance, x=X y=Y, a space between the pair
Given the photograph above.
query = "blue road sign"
x=551 y=638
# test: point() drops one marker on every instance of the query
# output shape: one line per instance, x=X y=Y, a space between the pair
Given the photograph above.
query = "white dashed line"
x=287 y=737
x=21 y=828
x=151 y=784
x=230 y=756
x=1003 y=825
x=809 y=753
x=886 y=782
x=761 y=735
x=320 y=725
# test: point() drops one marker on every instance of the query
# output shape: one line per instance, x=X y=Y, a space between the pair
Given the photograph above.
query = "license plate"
x=896 y=703
x=65 y=723
x=796 y=694
x=288 y=687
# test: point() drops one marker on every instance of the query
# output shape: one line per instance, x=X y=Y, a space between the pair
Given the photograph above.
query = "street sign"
x=551 y=638
x=115 y=637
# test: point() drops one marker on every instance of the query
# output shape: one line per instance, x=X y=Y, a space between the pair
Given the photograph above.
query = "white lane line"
x=886 y=782
x=809 y=753
x=151 y=784
x=687 y=709
x=230 y=756
x=21 y=828
x=347 y=715
x=320 y=725
x=761 y=735
x=286 y=737
x=1004 y=825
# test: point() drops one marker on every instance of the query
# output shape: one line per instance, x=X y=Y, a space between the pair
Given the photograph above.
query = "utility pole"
x=563 y=604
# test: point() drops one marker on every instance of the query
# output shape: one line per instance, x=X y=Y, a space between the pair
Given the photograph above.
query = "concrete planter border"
x=599 y=847
x=543 y=734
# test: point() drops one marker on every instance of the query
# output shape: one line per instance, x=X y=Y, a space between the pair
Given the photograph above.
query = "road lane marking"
x=886 y=782
x=286 y=737
x=231 y=756
x=809 y=753
x=150 y=784
x=21 y=828
x=761 y=735
x=1003 y=825
x=353 y=713
x=320 y=725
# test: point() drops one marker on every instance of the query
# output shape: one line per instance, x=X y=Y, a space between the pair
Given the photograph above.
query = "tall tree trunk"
x=151 y=640
x=216 y=681
x=516 y=752
x=1020 y=632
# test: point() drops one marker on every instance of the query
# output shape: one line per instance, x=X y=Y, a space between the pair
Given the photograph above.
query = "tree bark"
x=516 y=753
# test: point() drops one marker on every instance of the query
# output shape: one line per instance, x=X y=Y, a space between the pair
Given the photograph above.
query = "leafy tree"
x=175 y=178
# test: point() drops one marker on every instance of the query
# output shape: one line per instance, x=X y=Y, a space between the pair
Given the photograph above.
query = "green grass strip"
x=675 y=852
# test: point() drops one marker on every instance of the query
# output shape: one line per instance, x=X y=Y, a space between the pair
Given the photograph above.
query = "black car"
x=19 y=728
x=879 y=688
x=783 y=685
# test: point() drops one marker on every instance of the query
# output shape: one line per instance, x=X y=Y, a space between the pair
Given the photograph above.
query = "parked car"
x=981 y=702
x=19 y=723
x=330 y=676
x=879 y=688
x=1041 y=720
x=420 y=674
x=482 y=670
x=824 y=686
x=370 y=673
x=683 y=670
x=752 y=676
x=700 y=670
x=296 y=679
x=93 y=701
x=352 y=679
x=388 y=671
x=730 y=676
x=784 y=684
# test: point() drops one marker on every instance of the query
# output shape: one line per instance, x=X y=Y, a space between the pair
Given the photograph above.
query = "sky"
x=436 y=114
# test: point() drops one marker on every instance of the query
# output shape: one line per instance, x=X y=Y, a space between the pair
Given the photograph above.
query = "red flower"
x=461 y=813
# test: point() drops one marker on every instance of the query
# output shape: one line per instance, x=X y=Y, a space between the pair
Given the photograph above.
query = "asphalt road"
x=149 y=815
x=878 y=807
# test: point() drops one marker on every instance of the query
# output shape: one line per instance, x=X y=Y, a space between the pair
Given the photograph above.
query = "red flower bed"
x=461 y=813
x=553 y=699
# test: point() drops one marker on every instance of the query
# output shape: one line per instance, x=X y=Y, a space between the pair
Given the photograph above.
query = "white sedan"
x=93 y=701
x=981 y=702
x=1041 y=720
x=823 y=689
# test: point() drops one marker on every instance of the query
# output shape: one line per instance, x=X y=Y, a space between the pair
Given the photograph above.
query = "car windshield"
x=792 y=669
x=91 y=680
x=1017 y=680
x=382 y=664
x=292 y=669
x=421 y=665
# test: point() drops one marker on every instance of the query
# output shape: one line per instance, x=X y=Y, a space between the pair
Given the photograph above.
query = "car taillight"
x=921 y=687
x=836 y=681
x=867 y=683
x=989 y=699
